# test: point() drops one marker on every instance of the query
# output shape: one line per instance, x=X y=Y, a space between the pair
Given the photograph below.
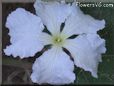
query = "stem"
x=16 y=63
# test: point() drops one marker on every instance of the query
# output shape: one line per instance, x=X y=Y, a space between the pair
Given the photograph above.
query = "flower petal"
x=45 y=38
x=24 y=30
x=52 y=14
x=53 y=67
x=79 y=23
x=86 y=51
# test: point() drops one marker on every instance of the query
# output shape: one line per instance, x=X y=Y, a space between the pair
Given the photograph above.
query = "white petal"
x=24 y=30
x=78 y=23
x=45 y=38
x=52 y=14
x=87 y=50
x=53 y=67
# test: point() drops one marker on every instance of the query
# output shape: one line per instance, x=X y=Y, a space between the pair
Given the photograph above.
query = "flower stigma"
x=58 y=40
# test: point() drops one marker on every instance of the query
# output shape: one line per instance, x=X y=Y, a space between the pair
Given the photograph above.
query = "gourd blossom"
x=63 y=21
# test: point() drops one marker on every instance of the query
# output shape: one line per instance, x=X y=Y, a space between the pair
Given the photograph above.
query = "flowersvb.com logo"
x=94 y=4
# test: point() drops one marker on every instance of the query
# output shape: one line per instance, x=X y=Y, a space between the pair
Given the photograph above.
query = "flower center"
x=58 y=40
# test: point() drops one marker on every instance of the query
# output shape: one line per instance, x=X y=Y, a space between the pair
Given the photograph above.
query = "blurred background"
x=17 y=71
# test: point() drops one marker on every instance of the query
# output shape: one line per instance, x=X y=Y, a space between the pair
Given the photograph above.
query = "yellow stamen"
x=58 y=40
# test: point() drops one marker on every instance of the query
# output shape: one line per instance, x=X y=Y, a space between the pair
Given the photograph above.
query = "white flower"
x=55 y=66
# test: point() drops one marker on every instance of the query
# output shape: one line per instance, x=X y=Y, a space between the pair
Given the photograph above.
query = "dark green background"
x=16 y=71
